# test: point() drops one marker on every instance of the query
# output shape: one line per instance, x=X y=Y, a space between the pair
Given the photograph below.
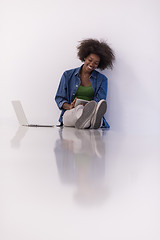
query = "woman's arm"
x=61 y=96
x=101 y=91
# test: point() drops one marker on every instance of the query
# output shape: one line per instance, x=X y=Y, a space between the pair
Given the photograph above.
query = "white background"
x=38 y=43
x=38 y=200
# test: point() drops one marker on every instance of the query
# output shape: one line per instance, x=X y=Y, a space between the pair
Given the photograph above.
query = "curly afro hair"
x=100 y=48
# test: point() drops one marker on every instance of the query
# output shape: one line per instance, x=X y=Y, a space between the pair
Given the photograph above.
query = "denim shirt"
x=69 y=84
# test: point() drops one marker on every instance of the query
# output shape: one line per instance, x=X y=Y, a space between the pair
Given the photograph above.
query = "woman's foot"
x=99 y=112
x=85 y=119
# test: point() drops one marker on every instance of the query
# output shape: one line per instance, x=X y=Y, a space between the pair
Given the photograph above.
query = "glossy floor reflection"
x=64 y=183
x=80 y=158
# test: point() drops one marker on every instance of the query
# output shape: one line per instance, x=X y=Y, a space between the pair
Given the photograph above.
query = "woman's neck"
x=85 y=78
x=84 y=72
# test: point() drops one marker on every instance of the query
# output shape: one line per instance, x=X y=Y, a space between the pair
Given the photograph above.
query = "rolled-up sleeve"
x=61 y=95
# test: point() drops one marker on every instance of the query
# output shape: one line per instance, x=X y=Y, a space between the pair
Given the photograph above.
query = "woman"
x=88 y=84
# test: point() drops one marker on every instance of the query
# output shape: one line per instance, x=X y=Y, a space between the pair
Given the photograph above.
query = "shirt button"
x=76 y=85
x=73 y=94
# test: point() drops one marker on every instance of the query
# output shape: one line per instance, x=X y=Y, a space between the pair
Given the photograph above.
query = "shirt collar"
x=78 y=70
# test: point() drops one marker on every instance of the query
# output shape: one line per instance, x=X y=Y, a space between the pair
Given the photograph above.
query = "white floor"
x=68 y=184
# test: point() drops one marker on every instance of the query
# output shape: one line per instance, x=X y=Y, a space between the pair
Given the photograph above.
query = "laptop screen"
x=20 y=113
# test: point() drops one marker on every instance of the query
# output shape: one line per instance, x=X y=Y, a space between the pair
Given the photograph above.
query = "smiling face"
x=91 y=63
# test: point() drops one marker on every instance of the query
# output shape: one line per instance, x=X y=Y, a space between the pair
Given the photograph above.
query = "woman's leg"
x=71 y=116
x=85 y=119
x=80 y=116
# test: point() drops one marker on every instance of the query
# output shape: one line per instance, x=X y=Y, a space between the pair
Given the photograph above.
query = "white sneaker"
x=85 y=119
x=99 y=112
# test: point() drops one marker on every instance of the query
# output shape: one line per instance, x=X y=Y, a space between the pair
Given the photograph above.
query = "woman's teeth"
x=90 y=67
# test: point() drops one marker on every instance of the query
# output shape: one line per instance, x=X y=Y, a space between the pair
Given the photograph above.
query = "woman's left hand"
x=73 y=103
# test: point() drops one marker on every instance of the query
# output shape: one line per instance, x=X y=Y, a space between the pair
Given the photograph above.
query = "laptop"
x=22 y=117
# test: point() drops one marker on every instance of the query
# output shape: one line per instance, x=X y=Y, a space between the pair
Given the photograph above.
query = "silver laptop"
x=22 y=117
